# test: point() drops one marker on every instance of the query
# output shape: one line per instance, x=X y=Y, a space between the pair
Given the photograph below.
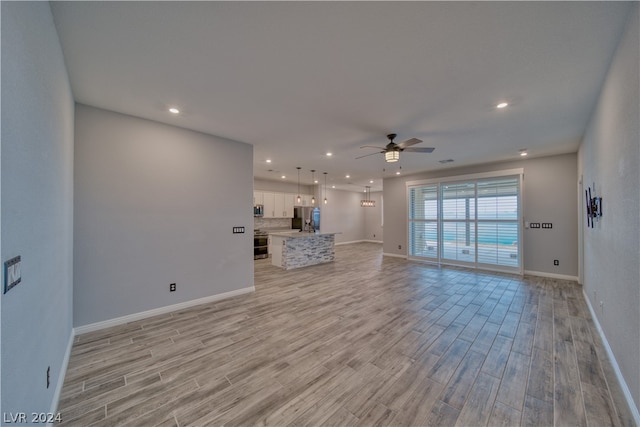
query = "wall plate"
x=12 y=273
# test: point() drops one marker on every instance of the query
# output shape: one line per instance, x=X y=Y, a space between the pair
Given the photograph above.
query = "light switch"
x=12 y=273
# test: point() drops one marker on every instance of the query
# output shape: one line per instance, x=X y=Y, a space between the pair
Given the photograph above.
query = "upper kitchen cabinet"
x=269 y=203
x=278 y=205
x=289 y=200
x=258 y=198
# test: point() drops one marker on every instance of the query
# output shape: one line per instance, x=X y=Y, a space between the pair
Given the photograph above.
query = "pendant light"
x=313 y=181
x=298 y=199
x=367 y=202
x=325 y=188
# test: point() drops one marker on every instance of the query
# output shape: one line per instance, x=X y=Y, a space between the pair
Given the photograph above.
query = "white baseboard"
x=351 y=242
x=623 y=384
x=160 y=310
x=61 y=374
x=551 y=275
x=358 y=241
x=394 y=255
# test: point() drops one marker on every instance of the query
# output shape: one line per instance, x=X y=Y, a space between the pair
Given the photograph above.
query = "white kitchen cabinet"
x=277 y=205
x=258 y=198
x=288 y=205
x=269 y=202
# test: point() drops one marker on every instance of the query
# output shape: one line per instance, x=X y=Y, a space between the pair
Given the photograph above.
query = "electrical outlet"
x=399 y=246
x=556 y=262
x=374 y=235
x=172 y=287
x=48 y=376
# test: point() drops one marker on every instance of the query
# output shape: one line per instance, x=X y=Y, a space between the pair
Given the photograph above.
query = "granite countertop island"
x=300 y=249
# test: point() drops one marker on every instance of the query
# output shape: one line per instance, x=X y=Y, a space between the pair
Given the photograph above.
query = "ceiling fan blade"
x=409 y=142
x=371 y=154
x=419 y=149
x=372 y=146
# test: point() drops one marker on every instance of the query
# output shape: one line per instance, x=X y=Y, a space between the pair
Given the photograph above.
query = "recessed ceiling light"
x=502 y=105
x=523 y=153
x=174 y=110
x=329 y=154
x=283 y=177
x=315 y=182
x=371 y=182
x=333 y=186
x=398 y=173
x=347 y=176
x=268 y=160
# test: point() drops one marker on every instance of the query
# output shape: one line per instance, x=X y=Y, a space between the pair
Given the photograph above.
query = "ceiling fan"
x=392 y=150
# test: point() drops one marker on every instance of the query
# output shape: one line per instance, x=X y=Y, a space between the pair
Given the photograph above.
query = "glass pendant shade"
x=391 y=156
x=367 y=202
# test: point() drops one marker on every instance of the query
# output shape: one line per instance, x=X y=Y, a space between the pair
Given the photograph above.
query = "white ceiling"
x=298 y=79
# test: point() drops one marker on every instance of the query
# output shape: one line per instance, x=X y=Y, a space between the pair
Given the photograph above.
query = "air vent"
x=446 y=161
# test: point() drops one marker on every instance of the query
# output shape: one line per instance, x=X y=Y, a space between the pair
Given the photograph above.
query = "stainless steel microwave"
x=258 y=210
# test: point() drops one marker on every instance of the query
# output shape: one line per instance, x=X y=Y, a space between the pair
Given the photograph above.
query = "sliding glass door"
x=470 y=222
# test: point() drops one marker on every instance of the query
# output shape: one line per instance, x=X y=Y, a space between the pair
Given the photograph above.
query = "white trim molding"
x=160 y=310
x=482 y=175
x=551 y=275
x=623 y=384
x=358 y=241
x=62 y=373
x=394 y=255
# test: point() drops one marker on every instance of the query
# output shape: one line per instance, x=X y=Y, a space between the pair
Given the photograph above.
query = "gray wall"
x=37 y=207
x=154 y=205
x=373 y=218
x=549 y=195
x=290 y=185
x=343 y=214
x=610 y=157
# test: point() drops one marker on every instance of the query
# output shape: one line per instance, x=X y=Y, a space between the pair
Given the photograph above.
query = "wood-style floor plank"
x=364 y=341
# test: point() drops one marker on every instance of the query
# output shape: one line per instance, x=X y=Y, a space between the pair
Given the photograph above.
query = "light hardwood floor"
x=364 y=341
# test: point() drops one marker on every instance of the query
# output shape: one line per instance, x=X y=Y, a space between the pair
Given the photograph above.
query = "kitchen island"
x=301 y=249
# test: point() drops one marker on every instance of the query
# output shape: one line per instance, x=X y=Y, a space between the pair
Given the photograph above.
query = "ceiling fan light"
x=391 y=156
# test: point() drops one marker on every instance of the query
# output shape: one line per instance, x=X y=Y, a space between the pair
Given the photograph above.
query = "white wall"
x=37 y=207
x=549 y=195
x=154 y=205
x=609 y=157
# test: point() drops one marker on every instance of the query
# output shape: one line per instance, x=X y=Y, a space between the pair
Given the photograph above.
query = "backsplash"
x=271 y=222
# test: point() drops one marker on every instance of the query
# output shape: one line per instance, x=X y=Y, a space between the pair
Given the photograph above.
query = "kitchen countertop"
x=298 y=234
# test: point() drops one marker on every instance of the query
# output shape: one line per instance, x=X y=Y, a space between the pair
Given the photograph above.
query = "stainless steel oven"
x=260 y=244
